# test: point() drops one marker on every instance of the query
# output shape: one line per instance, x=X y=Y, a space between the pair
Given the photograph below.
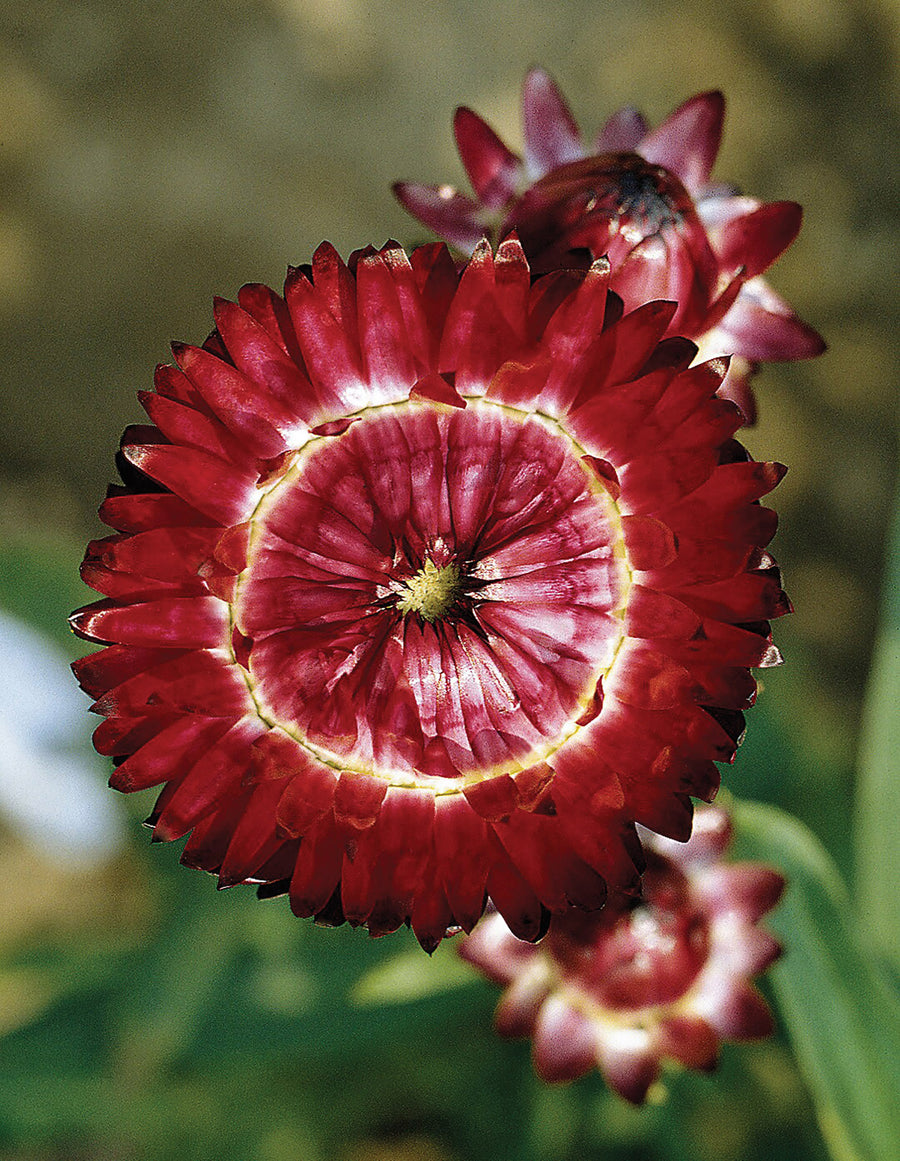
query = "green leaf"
x=39 y=583
x=878 y=784
x=179 y=977
x=842 y=1016
x=409 y=976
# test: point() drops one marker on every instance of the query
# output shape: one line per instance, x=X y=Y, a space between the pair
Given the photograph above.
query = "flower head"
x=665 y=976
x=427 y=586
x=644 y=199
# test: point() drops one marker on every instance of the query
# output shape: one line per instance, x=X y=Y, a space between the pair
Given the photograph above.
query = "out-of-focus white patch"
x=51 y=788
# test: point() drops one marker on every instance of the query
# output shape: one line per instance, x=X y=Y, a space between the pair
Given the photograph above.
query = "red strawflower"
x=426 y=586
x=643 y=199
x=662 y=977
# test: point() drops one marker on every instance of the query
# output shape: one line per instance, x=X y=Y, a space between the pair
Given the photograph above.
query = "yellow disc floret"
x=432 y=592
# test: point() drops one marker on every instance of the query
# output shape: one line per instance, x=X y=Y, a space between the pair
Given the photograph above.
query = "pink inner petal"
x=344 y=658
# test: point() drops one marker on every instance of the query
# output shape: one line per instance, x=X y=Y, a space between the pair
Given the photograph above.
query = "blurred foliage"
x=217 y=1026
x=152 y=155
x=841 y=1011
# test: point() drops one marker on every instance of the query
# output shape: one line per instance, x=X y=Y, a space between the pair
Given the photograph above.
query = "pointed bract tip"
x=464 y=116
x=714 y=99
x=537 y=74
x=512 y=250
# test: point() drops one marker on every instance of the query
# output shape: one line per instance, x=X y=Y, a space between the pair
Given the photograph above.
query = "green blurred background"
x=155 y=154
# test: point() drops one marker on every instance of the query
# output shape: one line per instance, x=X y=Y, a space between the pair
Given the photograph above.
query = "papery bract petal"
x=687 y=142
x=443 y=209
x=551 y=135
x=492 y=168
x=622 y=132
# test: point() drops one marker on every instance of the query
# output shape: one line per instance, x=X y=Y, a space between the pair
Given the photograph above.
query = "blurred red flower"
x=662 y=977
x=644 y=199
x=426 y=586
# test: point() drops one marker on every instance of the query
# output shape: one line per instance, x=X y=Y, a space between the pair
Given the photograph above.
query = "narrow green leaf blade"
x=878 y=780
x=840 y=1012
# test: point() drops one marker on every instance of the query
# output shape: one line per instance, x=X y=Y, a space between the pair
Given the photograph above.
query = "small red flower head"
x=427 y=586
x=643 y=199
x=665 y=976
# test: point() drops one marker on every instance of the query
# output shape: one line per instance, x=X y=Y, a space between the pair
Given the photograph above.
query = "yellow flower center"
x=432 y=592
